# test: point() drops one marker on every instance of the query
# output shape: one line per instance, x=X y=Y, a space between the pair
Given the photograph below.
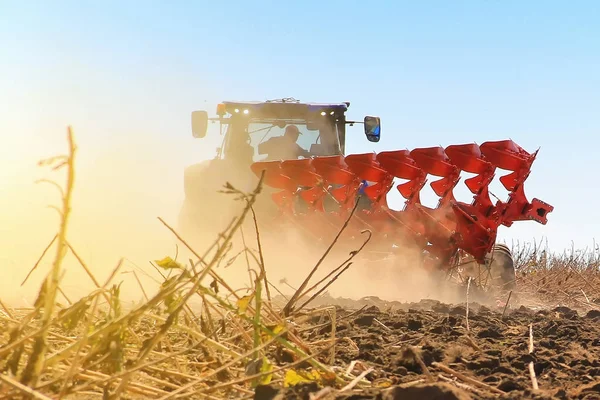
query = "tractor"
x=310 y=183
x=251 y=131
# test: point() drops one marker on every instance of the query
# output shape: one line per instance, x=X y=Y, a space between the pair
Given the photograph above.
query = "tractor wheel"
x=205 y=211
x=498 y=272
x=502 y=267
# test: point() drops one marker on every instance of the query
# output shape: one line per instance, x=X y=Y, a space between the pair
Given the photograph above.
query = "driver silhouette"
x=284 y=147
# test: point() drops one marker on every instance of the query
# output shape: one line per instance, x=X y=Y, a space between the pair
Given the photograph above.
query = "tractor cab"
x=280 y=129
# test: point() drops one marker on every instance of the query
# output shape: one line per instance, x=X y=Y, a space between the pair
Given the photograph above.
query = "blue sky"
x=437 y=72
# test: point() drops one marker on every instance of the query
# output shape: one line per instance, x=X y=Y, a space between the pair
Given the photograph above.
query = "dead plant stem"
x=287 y=310
x=36 y=361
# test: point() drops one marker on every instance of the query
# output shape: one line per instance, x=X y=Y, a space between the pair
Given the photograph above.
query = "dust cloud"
x=290 y=257
x=121 y=187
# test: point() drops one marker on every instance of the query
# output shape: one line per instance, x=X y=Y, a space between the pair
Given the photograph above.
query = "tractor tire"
x=498 y=272
x=503 y=267
x=205 y=211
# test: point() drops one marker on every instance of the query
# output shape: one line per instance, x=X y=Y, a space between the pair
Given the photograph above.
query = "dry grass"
x=571 y=278
x=163 y=349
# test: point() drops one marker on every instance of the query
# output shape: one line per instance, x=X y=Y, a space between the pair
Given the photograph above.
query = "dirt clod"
x=593 y=314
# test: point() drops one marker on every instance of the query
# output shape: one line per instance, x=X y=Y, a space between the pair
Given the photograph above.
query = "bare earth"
x=494 y=363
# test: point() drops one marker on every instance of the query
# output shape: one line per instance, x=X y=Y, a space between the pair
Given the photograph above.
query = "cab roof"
x=283 y=108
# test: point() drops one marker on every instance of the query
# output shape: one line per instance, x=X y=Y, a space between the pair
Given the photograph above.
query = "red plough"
x=441 y=231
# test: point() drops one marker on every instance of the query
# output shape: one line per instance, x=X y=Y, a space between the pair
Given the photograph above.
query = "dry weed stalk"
x=289 y=307
x=534 y=382
x=460 y=385
x=47 y=295
x=465 y=378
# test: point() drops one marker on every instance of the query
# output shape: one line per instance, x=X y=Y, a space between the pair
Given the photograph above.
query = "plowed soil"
x=485 y=356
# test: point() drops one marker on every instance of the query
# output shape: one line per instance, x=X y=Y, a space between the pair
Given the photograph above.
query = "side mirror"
x=199 y=124
x=372 y=128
